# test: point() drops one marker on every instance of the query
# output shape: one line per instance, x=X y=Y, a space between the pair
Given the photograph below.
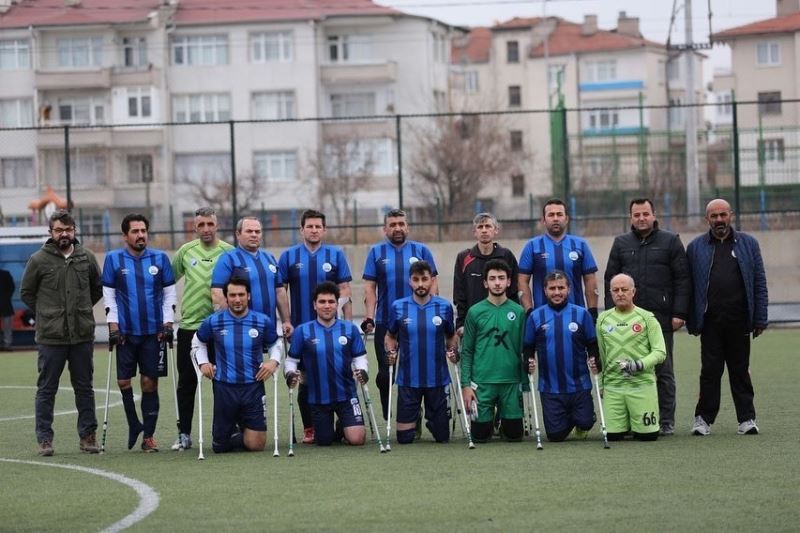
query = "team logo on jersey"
x=609 y=329
x=544 y=327
x=153 y=270
x=544 y=255
x=273 y=269
x=193 y=262
x=733 y=254
x=223 y=331
x=252 y=333
x=327 y=267
x=407 y=321
x=343 y=340
x=573 y=327
x=437 y=321
x=573 y=255
x=314 y=341
x=123 y=271
x=298 y=266
x=637 y=328
x=384 y=261
x=412 y=260
x=512 y=316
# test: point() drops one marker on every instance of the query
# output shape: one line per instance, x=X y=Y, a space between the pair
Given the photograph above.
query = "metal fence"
x=441 y=167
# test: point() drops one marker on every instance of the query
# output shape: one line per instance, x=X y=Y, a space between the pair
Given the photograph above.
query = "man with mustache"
x=729 y=302
x=60 y=284
x=139 y=295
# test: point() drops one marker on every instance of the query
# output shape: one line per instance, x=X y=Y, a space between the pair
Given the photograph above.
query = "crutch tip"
x=471 y=446
x=290 y=454
x=539 y=447
x=276 y=454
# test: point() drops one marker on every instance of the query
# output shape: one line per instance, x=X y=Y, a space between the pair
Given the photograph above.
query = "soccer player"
x=557 y=250
x=195 y=260
x=631 y=345
x=334 y=357
x=259 y=267
x=240 y=337
x=562 y=335
x=468 y=288
x=422 y=327
x=385 y=276
x=302 y=267
x=491 y=351
x=139 y=295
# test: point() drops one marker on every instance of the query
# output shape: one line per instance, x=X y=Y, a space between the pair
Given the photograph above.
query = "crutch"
x=199 y=374
x=389 y=404
x=291 y=409
x=275 y=452
x=455 y=394
x=460 y=397
x=371 y=429
x=371 y=417
x=174 y=370
x=108 y=393
x=602 y=415
x=535 y=413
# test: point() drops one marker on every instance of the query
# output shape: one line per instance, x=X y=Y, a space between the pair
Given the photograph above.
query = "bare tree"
x=217 y=191
x=456 y=156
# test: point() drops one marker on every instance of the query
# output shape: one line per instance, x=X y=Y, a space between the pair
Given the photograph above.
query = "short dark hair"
x=134 y=217
x=640 y=201
x=394 y=213
x=419 y=268
x=239 y=282
x=63 y=216
x=205 y=212
x=556 y=274
x=311 y=213
x=496 y=264
x=554 y=201
x=326 y=287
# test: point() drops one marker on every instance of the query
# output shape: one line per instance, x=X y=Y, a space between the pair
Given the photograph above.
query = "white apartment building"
x=139 y=65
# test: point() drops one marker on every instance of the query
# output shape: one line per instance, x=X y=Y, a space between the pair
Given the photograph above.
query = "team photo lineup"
x=525 y=349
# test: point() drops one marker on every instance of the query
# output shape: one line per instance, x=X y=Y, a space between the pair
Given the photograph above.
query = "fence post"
x=439 y=219
x=234 y=210
x=399 y=135
x=172 y=226
x=565 y=153
x=355 y=222
x=67 y=174
x=737 y=177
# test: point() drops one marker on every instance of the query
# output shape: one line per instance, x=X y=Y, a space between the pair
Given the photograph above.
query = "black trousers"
x=187 y=379
x=665 y=382
x=725 y=344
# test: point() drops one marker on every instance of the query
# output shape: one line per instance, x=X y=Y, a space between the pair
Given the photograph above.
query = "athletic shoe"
x=46 y=449
x=149 y=445
x=579 y=434
x=667 y=430
x=748 y=427
x=183 y=442
x=700 y=427
x=88 y=444
x=176 y=445
x=308 y=435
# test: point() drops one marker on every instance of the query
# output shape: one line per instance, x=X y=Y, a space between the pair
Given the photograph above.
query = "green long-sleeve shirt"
x=492 y=345
x=635 y=335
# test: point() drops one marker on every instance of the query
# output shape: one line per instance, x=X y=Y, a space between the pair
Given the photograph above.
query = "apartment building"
x=148 y=89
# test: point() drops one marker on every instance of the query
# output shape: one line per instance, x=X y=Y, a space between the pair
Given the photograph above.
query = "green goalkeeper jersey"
x=196 y=262
x=635 y=335
x=492 y=345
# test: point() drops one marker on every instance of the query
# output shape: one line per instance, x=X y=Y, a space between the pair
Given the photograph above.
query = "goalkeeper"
x=631 y=345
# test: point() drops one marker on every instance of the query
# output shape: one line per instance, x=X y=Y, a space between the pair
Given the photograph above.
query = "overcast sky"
x=654 y=15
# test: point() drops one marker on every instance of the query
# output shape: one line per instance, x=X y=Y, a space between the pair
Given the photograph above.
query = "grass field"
x=682 y=483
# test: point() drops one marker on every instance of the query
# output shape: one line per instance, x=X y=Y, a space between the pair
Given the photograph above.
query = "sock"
x=134 y=426
x=149 y=412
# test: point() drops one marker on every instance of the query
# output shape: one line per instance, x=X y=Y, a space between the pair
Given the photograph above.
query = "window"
x=140 y=168
x=771 y=150
x=200 y=50
x=201 y=107
x=15 y=54
x=77 y=111
x=769 y=103
x=603 y=119
x=439 y=101
x=272 y=46
x=139 y=102
x=555 y=76
x=768 y=54
x=16 y=113
x=273 y=105
x=440 y=48
x=202 y=168
x=603 y=165
x=17 y=172
x=86 y=168
x=675 y=112
x=471 y=82
x=516 y=140
x=80 y=52
x=724 y=107
x=514 y=96
x=275 y=166
x=512 y=51
x=517 y=185
x=673 y=70
x=362 y=155
x=91 y=223
x=345 y=48
x=600 y=71
x=134 y=51
x=352 y=104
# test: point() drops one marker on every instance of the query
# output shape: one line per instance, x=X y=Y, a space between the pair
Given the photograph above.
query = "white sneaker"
x=700 y=427
x=748 y=427
x=177 y=445
x=183 y=442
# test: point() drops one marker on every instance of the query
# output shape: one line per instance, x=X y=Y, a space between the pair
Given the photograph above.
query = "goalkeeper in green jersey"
x=631 y=345
x=491 y=357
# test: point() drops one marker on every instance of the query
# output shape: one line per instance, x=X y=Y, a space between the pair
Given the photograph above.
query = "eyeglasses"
x=61 y=231
x=205 y=212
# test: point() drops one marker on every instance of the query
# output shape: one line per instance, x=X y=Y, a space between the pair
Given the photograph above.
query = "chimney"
x=72 y=3
x=629 y=25
x=786 y=7
x=590 y=25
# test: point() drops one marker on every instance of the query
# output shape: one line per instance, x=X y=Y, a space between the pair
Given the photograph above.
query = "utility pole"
x=692 y=175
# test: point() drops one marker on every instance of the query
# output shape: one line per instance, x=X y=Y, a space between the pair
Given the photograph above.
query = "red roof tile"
x=517 y=23
x=476 y=48
x=786 y=24
x=568 y=39
x=56 y=13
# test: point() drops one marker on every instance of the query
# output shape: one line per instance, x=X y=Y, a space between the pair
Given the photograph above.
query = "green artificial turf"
x=681 y=483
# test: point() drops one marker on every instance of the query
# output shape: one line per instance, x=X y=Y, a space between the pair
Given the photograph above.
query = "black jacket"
x=6 y=292
x=658 y=265
x=468 y=286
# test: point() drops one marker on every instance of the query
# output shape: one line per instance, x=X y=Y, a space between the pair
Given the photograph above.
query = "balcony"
x=346 y=129
x=136 y=76
x=137 y=137
x=78 y=137
x=355 y=73
x=73 y=79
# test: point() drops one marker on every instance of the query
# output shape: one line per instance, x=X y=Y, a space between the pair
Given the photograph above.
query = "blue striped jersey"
x=560 y=338
x=326 y=353
x=239 y=343
x=139 y=285
x=571 y=254
x=302 y=270
x=421 y=331
x=388 y=265
x=261 y=269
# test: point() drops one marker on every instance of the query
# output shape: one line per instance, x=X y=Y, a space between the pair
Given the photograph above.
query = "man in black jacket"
x=656 y=260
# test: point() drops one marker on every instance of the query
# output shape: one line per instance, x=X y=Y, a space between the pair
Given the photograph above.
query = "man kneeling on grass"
x=334 y=357
x=241 y=337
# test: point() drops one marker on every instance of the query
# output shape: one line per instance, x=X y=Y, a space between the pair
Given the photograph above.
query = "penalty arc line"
x=148 y=497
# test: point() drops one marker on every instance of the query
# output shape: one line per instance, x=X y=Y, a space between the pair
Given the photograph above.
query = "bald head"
x=719 y=216
x=622 y=290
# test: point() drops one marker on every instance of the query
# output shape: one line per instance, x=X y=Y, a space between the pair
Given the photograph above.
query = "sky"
x=654 y=16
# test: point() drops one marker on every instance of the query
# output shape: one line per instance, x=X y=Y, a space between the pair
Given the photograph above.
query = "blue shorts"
x=141 y=350
x=349 y=413
x=238 y=404
x=410 y=398
x=562 y=412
